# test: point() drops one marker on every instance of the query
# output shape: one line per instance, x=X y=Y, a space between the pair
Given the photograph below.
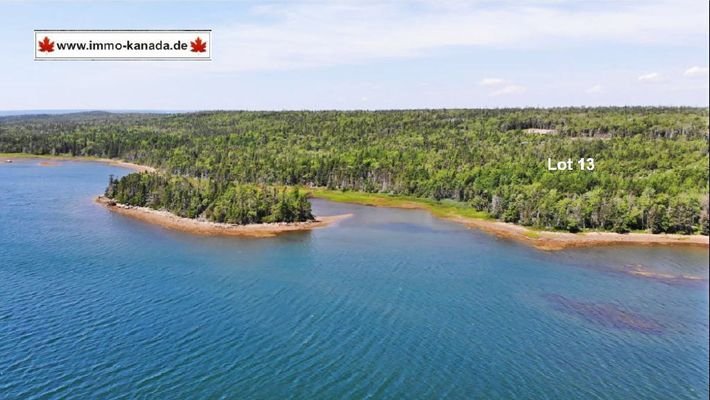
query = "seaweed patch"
x=604 y=314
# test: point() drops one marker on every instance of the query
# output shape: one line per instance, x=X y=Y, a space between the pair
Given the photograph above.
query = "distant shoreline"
x=171 y=221
x=109 y=161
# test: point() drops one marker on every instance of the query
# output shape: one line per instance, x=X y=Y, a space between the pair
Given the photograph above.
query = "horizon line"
x=60 y=111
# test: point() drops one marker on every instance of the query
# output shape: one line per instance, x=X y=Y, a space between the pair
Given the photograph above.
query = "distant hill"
x=25 y=113
x=76 y=117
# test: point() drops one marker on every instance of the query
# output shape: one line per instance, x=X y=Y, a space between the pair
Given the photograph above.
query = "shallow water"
x=387 y=304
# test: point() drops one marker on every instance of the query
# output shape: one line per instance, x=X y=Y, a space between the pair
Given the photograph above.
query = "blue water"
x=387 y=304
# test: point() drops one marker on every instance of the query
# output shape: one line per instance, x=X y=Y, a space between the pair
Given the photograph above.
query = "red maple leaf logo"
x=198 y=46
x=46 y=45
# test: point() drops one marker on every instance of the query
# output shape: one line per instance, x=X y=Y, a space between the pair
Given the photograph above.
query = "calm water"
x=388 y=304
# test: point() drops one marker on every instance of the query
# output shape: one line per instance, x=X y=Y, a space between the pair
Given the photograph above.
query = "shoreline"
x=541 y=240
x=554 y=241
x=51 y=161
x=174 y=222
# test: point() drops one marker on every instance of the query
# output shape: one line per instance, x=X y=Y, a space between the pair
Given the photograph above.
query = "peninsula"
x=210 y=207
x=204 y=227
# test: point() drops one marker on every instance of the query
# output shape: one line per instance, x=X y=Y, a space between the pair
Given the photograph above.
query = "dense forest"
x=227 y=202
x=651 y=164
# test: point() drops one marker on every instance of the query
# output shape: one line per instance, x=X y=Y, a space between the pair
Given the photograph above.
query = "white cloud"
x=509 y=90
x=501 y=86
x=595 y=89
x=466 y=40
x=650 y=77
x=492 y=82
x=696 y=71
x=318 y=34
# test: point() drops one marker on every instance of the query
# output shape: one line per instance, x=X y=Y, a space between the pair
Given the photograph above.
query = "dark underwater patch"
x=604 y=314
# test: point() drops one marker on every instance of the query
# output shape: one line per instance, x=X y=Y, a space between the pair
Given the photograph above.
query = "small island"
x=208 y=207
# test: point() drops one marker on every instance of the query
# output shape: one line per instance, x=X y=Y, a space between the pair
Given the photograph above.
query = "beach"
x=125 y=164
x=54 y=161
x=207 y=228
x=546 y=240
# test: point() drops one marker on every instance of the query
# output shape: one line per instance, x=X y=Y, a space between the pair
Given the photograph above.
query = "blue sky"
x=371 y=55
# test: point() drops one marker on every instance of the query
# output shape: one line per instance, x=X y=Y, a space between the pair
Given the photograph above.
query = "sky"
x=318 y=54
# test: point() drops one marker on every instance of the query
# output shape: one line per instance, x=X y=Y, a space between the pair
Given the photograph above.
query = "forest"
x=227 y=203
x=651 y=164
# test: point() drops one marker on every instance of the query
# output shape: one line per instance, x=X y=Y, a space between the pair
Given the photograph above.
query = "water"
x=388 y=304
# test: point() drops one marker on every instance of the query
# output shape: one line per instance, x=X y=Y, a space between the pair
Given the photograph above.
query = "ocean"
x=388 y=304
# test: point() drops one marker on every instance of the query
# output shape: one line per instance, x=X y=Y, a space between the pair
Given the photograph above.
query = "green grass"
x=438 y=208
x=532 y=234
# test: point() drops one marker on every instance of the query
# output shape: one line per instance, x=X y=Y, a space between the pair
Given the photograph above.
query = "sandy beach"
x=125 y=164
x=206 y=228
x=546 y=240
x=56 y=161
